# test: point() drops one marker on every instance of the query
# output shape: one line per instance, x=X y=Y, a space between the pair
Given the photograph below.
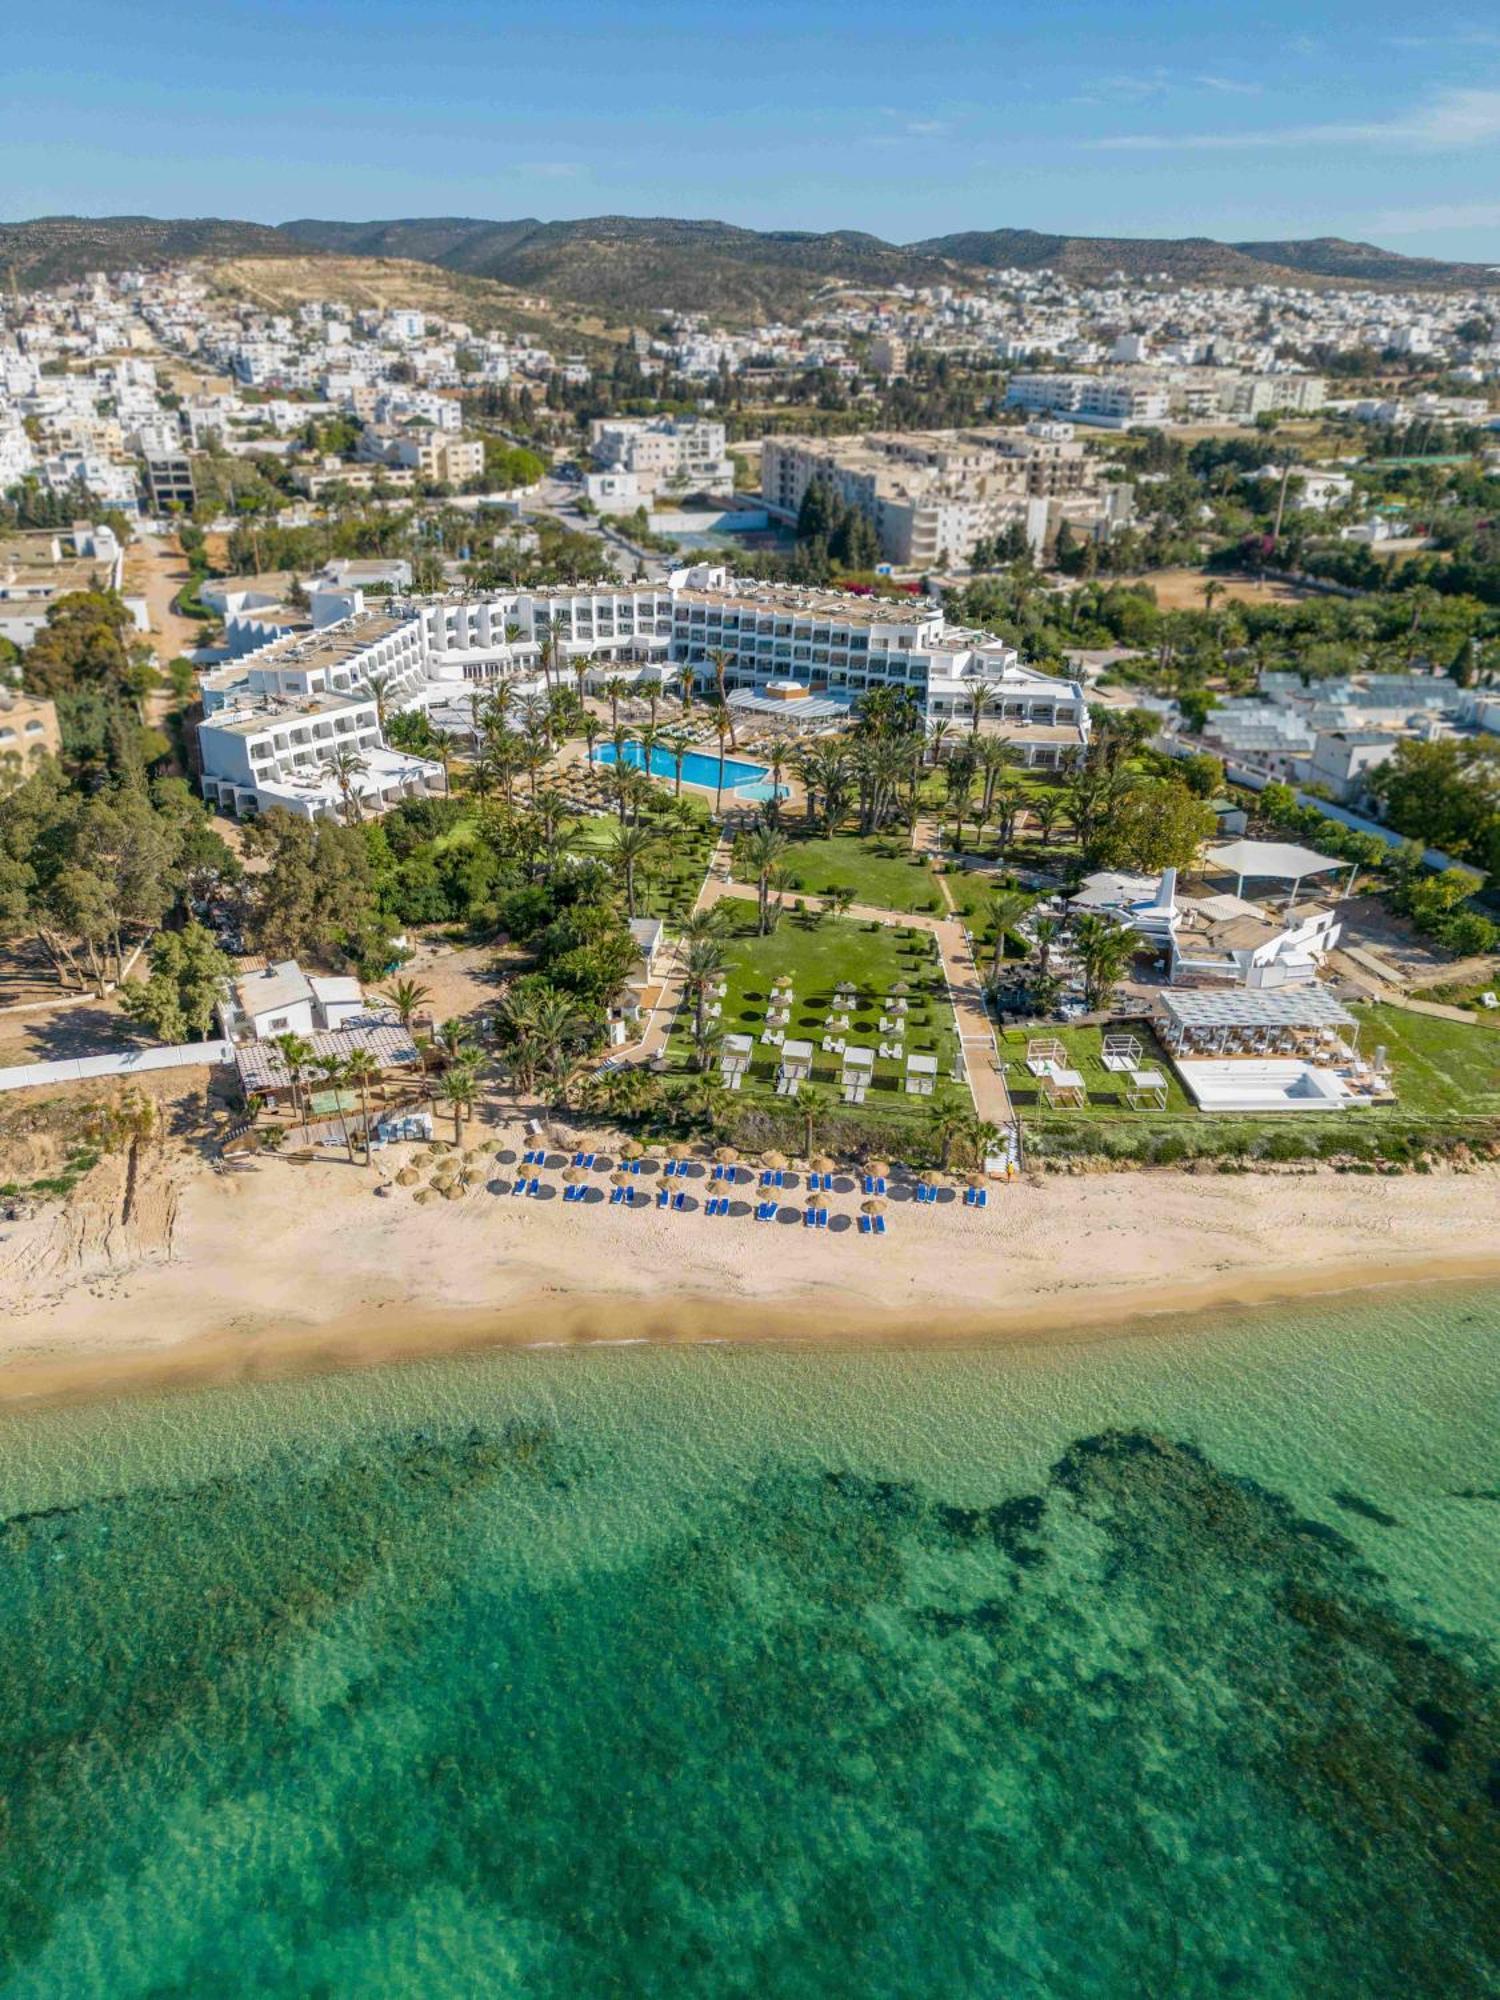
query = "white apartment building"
x=932 y=495
x=1147 y=395
x=669 y=454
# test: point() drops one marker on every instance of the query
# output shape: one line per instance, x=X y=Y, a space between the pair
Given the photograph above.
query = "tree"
x=813 y=1104
x=361 y=1072
x=343 y=765
x=1104 y=950
x=702 y=965
x=297 y=1053
x=760 y=851
x=633 y=849
x=317 y=897
x=457 y=1092
x=1155 y=825
x=406 y=997
x=723 y=722
x=176 y=1003
x=1007 y=907
x=945 y=1122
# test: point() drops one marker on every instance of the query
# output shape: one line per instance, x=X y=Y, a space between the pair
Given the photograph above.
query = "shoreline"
x=295 y=1272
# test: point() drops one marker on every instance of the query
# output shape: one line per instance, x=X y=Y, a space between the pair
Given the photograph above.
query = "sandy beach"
x=285 y=1268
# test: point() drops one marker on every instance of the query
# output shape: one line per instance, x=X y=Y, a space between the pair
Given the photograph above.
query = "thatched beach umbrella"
x=453 y=1192
x=901 y=987
x=775 y=1161
x=631 y=1149
x=823 y=1164
x=408 y=1177
x=621 y=1180
x=874 y=1206
x=424 y=1195
x=726 y=1156
x=474 y=1153
x=575 y=1174
x=679 y=1150
x=878 y=1168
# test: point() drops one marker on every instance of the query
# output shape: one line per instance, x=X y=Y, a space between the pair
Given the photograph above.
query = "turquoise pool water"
x=747 y=779
x=1161 y=1666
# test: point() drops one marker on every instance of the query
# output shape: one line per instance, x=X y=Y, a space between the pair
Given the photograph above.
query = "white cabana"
x=1271 y=861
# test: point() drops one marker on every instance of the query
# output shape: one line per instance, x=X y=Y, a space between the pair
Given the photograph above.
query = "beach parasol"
x=775 y=1161
x=900 y=987
x=621 y=1180
x=423 y=1195
x=475 y=1153
x=453 y=1192
x=874 y=1206
x=813 y=1200
x=822 y=1164
x=631 y=1149
x=679 y=1150
x=575 y=1174
x=383 y=1187
x=408 y=1177
x=726 y=1156
x=878 y=1168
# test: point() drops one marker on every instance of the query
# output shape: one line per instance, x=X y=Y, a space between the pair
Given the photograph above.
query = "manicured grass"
x=1085 y=1053
x=817 y=957
x=670 y=886
x=882 y=871
x=1443 y=1069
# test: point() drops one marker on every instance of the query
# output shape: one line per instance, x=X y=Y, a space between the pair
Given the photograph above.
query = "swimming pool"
x=749 y=780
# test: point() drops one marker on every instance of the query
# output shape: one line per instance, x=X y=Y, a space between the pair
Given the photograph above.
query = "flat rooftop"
x=333 y=645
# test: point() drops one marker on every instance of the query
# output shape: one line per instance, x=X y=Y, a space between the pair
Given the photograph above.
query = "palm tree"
x=945 y=1122
x=616 y=688
x=1009 y=797
x=979 y=695
x=634 y=847
x=978 y=1137
x=1007 y=907
x=723 y=728
x=1104 y=949
x=776 y=762
x=679 y=742
x=361 y=1071
x=455 y=1039
x=333 y=1073
x=297 y=1054
x=457 y=1091
x=813 y=1104
x=760 y=851
x=379 y=684
x=701 y=967
x=705 y=923
x=405 y=997
x=343 y=765
x=1046 y=809
x=721 y=660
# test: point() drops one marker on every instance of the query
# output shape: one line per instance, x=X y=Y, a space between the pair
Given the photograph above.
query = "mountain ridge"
x=635 y=265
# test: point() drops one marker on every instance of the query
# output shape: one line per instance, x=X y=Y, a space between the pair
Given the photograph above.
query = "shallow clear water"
x=1160 y=1665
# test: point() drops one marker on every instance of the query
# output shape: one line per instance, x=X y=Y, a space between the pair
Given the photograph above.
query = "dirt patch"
x=1182 y=589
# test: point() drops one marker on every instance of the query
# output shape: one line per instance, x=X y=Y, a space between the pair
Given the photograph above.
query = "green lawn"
x=1106 y=1089
x=817 y=957
x=882 y=871
x=1443 y=1069
x=669 y=887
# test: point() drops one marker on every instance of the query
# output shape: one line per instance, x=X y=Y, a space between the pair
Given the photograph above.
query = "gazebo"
x=1064 y=1086
x=858 y=1069
x=1254 y=1020
x=1146 y=1087
x=921 y=1075
x=734 y=1059
x=796 y=1068
x=1274 y=861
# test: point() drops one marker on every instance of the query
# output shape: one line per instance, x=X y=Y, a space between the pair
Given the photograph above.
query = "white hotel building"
x=272 y=716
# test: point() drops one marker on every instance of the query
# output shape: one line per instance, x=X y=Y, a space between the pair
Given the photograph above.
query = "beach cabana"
x=1145 y=1087
x=856 y=1074
x=794 y=1069
x=921 y=1075
x=1121 y=1053
x=1044 y=1053
x=734 y=1060
x=1064 y=1087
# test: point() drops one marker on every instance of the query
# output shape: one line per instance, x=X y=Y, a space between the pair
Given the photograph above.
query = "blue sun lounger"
x=663 y=1197
x=533 y=1186
x=617 y=1195
x=822 y=1218
x=879 y=1221
x=679 y=1200
x=519 y=1187
x=810 y=1219
x=866 y=1224
x=766 y=1212
x=634 y=1167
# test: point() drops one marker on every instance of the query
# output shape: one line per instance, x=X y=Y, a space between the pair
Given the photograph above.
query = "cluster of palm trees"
x=1102 y=948
x=357 y=1071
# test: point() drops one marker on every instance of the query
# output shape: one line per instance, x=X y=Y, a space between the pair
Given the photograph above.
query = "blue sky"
x=910 y=120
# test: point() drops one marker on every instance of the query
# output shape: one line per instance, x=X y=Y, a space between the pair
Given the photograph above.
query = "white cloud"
x=1229 y=85
x=1449 y=122
x=928 y=128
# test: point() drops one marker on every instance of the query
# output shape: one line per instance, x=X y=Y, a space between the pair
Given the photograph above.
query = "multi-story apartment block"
x=28 y=730
x=668 y=454
x=169 y=483
x=1146 y=395
x=932 y=495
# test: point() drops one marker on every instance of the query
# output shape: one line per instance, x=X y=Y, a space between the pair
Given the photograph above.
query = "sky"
x=1376 y=122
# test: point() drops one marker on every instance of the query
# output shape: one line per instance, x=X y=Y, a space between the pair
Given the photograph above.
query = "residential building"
x=169 y=483
x=40 y=565
x=28 y=730
x=666 y=454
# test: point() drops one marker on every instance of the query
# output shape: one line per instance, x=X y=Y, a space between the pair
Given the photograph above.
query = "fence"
x=128 y=1062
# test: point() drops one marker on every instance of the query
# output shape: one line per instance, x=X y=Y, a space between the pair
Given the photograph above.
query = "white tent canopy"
x=1270 y=860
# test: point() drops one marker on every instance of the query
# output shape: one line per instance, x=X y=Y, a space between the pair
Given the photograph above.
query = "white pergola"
x=1253 y=1020
x=1273 y=861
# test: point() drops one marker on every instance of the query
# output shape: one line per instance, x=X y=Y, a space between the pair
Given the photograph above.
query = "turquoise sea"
x=1160 y=1665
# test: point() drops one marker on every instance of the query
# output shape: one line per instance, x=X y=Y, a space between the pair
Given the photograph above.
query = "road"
x=156 y=569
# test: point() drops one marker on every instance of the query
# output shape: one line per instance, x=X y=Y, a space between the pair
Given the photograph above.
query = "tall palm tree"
x=615 y=688
x=979 y=694
x=455 y=1038
x=333 y=1073
x=721 y=659
x=679 y=742
x=724 y=730
x=632 y=851
x=813 y=1104
x=701 y=966
x=297 y=1053
x=361 y=1071
x=1007 y=907
x=776 y=763
x=379 y=684
x=405 y=997
x=760 y=851
x=706 y=923
x=343 y=765
x=945 y=1122
x=457 y=1092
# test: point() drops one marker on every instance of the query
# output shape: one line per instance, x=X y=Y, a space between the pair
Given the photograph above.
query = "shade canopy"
x=1272 y=860
x=1306 y=1006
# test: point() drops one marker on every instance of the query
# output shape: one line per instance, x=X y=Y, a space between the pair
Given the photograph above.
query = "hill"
x=55 y=249
x=637 y=265
x=631 y=267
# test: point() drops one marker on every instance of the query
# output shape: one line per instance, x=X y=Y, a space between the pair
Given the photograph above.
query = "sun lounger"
x=879 y=1221
x=766 y=1179
x=981 y=1197
x=810 y=1219
x=822 y=1218
x=679 y=1200
x=663 y=1197
x=519 y=1187
x=922 y=1191
x=866 y=1223
x=617 y=1195
x=533 y=1186
x=635 y=1166
x=765 y=1211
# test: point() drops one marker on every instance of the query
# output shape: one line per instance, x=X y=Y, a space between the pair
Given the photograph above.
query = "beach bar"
x=1256 y=1049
